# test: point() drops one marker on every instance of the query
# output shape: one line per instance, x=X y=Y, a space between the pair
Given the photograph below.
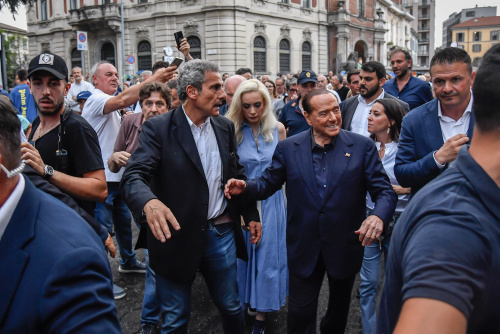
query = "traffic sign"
x=82 y=44
x=131 y=59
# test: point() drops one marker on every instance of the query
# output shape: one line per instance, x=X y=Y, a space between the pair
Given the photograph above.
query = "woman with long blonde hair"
x=263 y=280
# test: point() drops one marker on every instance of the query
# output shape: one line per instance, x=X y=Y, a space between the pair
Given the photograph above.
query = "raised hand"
x=234 y=187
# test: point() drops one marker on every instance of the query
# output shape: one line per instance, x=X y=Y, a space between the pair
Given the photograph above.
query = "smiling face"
x=378 y=122
x=106 y=79
x=325 y=117
x=452 y=84
x=48 y=92
x=253 y=107
x=209 y=99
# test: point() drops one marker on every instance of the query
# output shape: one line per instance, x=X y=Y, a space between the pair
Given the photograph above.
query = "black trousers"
x=303 y=303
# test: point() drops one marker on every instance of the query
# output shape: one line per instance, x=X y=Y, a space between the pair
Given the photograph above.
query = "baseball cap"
x=83 y=95
x=307 y=76
x=51 y=63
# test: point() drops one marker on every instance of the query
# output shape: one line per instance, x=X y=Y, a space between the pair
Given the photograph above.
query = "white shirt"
x=74 y=91
x=10 y=205
x=106 y=127
x=206 y=143
x=359 y=123
x=450 y=127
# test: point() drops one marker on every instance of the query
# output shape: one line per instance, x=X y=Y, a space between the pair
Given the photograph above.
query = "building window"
x=72 y=4
x=284 y=56
x=461 y=46
x=284 y=1
x=306 y=56
x=361 y=8
x=76 y=58
x=144 y=56
x=460 y=36
x=195 y=44
x=494 y=35
x=143 y=1
x=411 y=11
x=259 y=55
x=476 y=36
x=106 y=2
x=476 y=61
x=108 y=53
x=470 y=13
x=476 y=47
x=306 y=3
x=43 y=5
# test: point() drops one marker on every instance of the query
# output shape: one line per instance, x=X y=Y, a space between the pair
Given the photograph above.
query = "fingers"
x=255 y=231
x=370 y=230
x=158 y=215
x=110 y=246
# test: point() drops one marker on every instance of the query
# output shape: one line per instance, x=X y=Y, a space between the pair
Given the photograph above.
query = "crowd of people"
x=262 y=186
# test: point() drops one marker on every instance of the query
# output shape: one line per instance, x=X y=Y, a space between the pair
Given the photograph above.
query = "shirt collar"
x=362 y=99
x=314 y=144
x=467 y=110
x=10 y=205
x=190 y=122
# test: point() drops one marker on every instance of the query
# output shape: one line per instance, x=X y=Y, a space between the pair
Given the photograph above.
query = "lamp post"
x=123 y=44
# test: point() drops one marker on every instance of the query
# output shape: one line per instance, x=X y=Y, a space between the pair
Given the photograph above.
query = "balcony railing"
x=423 y=40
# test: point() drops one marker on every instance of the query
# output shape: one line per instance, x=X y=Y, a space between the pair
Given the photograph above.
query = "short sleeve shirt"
x=293 y=119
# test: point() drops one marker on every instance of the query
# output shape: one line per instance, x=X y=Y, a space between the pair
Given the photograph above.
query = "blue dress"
x=263 y=280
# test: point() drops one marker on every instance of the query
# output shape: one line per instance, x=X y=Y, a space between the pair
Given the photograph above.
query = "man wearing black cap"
x=292 y=115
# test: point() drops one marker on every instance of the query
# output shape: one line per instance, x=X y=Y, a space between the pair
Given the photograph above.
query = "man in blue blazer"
x=433 y=133
x=54 y=273
x=328 y=172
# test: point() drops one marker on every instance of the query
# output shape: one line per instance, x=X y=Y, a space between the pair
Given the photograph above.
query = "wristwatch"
x=48 y=171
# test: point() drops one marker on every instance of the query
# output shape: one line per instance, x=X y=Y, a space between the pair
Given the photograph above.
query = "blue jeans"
x=150 y=306
x=218 y=267
x=115 y=212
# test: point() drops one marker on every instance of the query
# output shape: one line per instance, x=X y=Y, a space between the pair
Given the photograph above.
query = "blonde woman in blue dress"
x=263 y=280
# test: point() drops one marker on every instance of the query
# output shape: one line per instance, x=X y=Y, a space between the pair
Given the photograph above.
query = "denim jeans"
x=370 y=279
x=150 y=306
x=115 y=212
x=218 y=267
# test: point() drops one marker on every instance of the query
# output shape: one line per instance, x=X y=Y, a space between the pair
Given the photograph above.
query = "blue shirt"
x=23 y=101
x=322 y=163
x=416 y=92
x=293 y=119
x=445 y=247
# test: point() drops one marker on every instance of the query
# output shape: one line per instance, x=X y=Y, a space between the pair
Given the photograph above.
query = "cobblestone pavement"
x=204 y=316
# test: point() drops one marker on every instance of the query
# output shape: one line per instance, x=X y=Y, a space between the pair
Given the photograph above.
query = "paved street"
x=204 y=316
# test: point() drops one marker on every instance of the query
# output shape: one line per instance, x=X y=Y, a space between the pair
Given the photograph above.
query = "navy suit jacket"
x=420 y=136
x=54 y=273
x=326 y=226
x=166 y=165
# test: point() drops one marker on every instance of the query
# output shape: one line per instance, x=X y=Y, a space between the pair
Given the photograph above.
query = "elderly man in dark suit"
x=355 y=109
x=328 y=172
x=176 y=175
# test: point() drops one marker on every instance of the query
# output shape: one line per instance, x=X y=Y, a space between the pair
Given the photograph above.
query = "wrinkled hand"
x=120 y=158
x=157 y=215
x=255 y=231
x=184 y=47
x=32 y=157
x=163 y=74
x=109 y=244
x=370 y=230
x=449 y=151
x=234 y=187
x=400 y=190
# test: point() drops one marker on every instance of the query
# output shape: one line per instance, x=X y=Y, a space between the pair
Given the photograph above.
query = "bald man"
x=230 y=86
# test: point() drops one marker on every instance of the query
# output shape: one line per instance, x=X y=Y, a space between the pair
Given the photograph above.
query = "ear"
x=472 y=77
x=192 y=92
x=409 y=64
x=94 y=79
x=66 y=88
x=392 y=122
x=308 y=118
x=381 y=82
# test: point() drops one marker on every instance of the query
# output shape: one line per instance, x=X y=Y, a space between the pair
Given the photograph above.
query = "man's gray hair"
x=93 y=70
x=76 y=68
x=193 y=74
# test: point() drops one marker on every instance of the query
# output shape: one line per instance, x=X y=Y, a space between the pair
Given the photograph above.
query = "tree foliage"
x=13 y=5
x=13 y=56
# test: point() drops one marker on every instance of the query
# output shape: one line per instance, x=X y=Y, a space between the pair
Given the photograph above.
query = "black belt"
x=223 y=218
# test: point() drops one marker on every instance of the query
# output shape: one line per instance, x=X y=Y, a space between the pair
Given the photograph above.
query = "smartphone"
x=178 y=38
x=177 y=62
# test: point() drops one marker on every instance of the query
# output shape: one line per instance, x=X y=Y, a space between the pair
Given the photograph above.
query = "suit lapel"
x=350 y=113
x=13 y=257
x=183 y=134
x=430 y=119
x=221 y=134
x=339 y=162
x=470 y=132
x=303 y=156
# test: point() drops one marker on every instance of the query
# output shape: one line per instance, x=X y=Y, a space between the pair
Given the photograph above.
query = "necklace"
x=381 y=152
x=48 y=129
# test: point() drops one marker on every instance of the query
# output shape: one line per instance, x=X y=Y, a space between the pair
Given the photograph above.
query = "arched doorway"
x=361 y=48
x=108 y=53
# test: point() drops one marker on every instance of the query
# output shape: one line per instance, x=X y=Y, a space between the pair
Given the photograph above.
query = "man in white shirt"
x=101 y=112
x=433 y=133
x=78 y=86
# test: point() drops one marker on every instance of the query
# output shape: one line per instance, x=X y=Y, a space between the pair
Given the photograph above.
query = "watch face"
x=49 y=171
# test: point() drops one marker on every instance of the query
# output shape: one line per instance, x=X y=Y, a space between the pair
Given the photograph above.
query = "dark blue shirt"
x=293 y=119
x=446 y=247
x=416 y=92
x=322 y=163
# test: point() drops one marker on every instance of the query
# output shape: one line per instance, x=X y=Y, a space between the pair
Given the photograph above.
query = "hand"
x=184 y=47
x=449 y=151
x=110 y=246
x=370 y=230
x=234 y=187
x=157 y=215
x=293 y=96
x=120 y=158
x=127 y=113
x=400 y=190
x=163 y=74
x=33 y=158
x=255 y=231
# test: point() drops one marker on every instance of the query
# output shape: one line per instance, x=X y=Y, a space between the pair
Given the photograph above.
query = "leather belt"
x=222 y=219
